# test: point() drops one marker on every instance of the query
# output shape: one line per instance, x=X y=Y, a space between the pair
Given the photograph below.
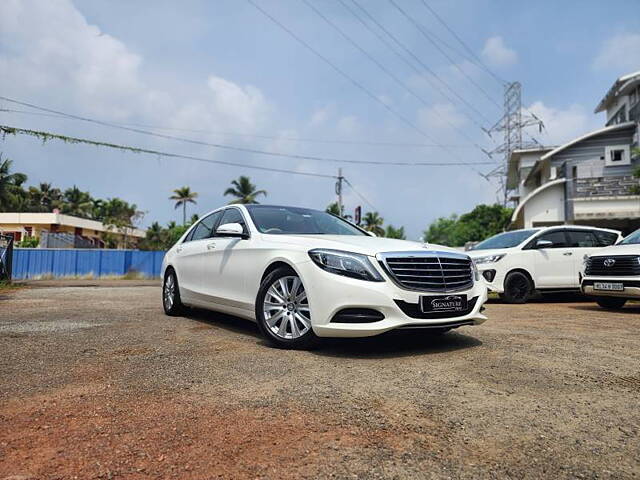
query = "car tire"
x=611 y=303
x=517 y=288
x=171 y=301
x=282 y=311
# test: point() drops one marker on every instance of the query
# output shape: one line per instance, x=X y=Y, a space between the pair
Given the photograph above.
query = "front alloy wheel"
x=282 y=311
x=517 y=288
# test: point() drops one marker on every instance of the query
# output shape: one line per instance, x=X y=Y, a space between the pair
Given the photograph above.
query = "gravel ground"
x=96 y=382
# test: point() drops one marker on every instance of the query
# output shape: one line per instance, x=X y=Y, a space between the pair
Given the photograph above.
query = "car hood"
x=356 y=243
x=631 y=249
x=490 y=251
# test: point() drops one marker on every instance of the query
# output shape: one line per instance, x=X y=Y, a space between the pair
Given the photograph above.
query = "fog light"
x=489 y=275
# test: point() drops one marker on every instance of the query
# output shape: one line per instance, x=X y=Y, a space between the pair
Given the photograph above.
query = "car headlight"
x=349 y=264
x=488 y=258
x=476 y=273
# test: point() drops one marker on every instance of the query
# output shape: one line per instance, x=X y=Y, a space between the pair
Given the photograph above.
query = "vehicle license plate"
x=616 y=287
x=448 y=303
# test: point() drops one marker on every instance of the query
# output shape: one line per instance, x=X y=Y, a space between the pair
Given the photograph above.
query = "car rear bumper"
x=631 y=287
x=330 y=294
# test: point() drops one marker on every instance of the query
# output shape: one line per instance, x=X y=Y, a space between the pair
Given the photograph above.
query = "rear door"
x=583 y=242
x=553 y=265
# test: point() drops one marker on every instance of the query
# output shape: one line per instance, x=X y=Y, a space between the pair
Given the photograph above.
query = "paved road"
x=96 y=382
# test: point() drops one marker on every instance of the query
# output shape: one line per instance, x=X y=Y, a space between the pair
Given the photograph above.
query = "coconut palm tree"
x=44 y=197
x=244 y=191
x=373 y=223
x=10 y=184
x=77 y=203
x=392 y=232
x=182 y=196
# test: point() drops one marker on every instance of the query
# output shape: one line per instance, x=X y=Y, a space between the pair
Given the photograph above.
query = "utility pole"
x=339 y=191
x=511 y=124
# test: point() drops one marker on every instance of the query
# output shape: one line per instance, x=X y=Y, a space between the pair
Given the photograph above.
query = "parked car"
x=518 y=263
x=612 y=274
x=303 y=274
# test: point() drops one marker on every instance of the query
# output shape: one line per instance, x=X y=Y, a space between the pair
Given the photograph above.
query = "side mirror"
x=231 y=230
x=544 y=244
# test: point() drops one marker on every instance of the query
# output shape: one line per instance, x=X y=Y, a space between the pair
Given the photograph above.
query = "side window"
x=557 y=238
x=189 y=236
x=582 y=239
x=604 y=239
x=233 y=215
x=205 y=227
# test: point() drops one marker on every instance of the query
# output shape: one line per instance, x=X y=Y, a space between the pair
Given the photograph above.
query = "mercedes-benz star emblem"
x=609 y=262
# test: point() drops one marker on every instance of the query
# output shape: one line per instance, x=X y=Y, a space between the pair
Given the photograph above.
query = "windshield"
x=505 y=240
x=633 y=238
x=292 y=220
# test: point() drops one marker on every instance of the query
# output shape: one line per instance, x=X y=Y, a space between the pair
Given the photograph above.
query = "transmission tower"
x=512 y=125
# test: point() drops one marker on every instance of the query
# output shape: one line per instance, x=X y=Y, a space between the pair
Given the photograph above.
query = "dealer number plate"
x=609 y=286
x=448 y=303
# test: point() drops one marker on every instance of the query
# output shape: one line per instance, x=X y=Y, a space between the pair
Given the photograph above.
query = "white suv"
x=612 y=274
x=516 y=264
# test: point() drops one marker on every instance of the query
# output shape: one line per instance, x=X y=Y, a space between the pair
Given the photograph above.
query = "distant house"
x=56 y=230
x=588 y=180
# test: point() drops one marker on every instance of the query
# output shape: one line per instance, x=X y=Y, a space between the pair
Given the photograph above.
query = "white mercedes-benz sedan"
x=302 y=274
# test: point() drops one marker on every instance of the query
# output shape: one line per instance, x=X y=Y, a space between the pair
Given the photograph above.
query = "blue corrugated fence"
x=36 y=262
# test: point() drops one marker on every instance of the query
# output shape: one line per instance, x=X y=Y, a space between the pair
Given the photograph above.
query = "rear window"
x=605 y=239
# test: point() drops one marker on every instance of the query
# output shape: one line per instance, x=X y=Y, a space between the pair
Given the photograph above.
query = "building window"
x=617 y=155
x=28 y=231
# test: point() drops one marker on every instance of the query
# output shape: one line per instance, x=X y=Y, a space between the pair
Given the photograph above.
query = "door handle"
x=566 y=254
x=211 y=246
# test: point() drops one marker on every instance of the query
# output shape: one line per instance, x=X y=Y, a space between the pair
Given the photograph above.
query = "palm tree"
x=333 y=209
x=244 y=191
x=373 y=223
x=77 y=202
x=393 y=232
x=182 y=196
x=10 y=184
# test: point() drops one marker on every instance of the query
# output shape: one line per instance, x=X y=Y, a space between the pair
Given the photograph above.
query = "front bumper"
x=496 y=284
x=631 y=287
x=329 y=293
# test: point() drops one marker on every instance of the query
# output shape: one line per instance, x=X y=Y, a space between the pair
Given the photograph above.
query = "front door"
x=190 y=255
x=226 y=263
x=553 y=264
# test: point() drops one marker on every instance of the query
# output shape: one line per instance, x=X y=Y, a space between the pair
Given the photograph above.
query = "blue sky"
x=223 y=67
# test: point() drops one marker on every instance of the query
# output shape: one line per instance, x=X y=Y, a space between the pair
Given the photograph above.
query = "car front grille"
x=429 y=271
x=613 y=265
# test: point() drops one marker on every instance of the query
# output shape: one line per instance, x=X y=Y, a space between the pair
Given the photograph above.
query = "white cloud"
x=563 y=125
x=321 y=115
x=621 y=53
x=497 y=53
x=440 y=115
x=49 y=47
x=348 y=125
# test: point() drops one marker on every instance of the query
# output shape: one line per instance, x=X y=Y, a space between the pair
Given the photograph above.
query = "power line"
x=236 y=148
x=426 y=34
x=8 y=129
x=426 y=68
x=356 y=83
x=477 y=61
x=265 y=137
x=359 y=194
x=385 y=69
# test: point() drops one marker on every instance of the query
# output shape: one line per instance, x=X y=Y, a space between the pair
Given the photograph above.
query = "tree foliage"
x=482 y=222
x=183 y=196
x=244 y=191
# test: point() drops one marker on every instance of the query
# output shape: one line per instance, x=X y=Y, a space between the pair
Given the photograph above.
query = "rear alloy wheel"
x=171 y=295
x=611 y=303
x=517 y=288
x=282 y=311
